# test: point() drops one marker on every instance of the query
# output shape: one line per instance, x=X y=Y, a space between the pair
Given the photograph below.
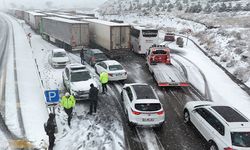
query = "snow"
x=106 y=22
x=64 y=20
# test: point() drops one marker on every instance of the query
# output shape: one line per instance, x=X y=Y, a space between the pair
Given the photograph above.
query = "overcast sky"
x=40 y=4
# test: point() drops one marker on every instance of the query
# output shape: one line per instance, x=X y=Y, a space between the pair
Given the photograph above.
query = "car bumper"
x=117 y=78
x=59 y=64
x=82 y=97
x=147 y=122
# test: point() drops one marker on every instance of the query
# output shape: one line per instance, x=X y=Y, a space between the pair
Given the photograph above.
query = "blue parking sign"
x=52 y=96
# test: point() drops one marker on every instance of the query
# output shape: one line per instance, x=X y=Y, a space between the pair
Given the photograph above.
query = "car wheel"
x=159 y=127
x=122 y=96
x=186 y=116
x=213 y=146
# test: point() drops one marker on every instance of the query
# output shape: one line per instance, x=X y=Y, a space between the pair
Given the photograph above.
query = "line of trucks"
x=75 y=32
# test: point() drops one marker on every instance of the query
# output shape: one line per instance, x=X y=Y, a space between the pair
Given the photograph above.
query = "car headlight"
x=73 y=92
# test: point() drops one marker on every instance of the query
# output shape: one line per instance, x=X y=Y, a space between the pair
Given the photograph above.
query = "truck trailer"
x=65 y=33
x=35 y=20
x=112 y=38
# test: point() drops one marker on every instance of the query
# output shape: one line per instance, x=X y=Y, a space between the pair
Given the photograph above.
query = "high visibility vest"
x=104 y=77
x=68 y=102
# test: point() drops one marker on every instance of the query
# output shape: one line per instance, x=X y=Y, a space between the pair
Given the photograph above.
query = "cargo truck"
x=164 y=72
x=112 y=38
x=35 y=20
x=65 y=33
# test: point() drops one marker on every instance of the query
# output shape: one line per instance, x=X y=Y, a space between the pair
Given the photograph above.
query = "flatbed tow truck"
x=160 y=66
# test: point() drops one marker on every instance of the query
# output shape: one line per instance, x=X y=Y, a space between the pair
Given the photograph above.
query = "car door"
x=87 y=56
x=99 y=67
x=204 y=117
x=127 y=99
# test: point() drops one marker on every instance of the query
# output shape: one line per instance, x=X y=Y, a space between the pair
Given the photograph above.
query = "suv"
x=92 y=56
x=58 y=58
x=224 y=127
x=77 y=80
x=142 y=105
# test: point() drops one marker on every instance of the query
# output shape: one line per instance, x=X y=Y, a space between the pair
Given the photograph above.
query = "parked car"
x=58 y=58
x=77 y=80
x=142 y=105
x=114 y=69
x=92 y=56
x=224 y=127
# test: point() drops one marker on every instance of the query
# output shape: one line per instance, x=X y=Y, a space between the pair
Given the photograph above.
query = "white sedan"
x=142 y=105
x=58 y=58
x=114 y=69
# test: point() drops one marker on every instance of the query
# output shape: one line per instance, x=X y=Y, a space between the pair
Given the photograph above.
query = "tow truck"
x=160 y=66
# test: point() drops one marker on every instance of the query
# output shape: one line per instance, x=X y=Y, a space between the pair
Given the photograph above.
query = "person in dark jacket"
x=93 y=97
x=82 y=56
x=50 y=130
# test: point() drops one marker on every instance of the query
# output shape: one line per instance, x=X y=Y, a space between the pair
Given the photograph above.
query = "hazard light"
x=163 y=84
x=110 y=74
x=184 y=84
x=160 y=113
x=135 y=112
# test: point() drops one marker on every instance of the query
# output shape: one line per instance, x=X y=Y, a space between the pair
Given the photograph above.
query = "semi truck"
x=35 y=20
x=163 y=71
x=65 y=33
x=112 y=38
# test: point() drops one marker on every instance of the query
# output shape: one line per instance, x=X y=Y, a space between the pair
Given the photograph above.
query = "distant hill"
x=166 y=6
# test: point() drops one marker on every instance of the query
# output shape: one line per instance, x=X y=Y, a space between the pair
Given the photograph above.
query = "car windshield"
x=59 y=54
x=115 y=67
x=148 y=106
x=100 y=56
x=241 y=139
x=80 y=76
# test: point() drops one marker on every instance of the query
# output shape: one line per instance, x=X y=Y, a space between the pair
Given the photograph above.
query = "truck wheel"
x=212 y=146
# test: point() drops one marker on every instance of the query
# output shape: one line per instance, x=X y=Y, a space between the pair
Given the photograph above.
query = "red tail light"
x=135 y=112
x=184 y=84
x=163 y=84
x=160 y=112
x=110 y=74
x=228 y=148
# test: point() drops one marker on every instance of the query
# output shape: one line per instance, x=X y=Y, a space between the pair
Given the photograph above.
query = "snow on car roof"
x=65 y=20
x=59 y=50
x=108 y=23
x=111 y=62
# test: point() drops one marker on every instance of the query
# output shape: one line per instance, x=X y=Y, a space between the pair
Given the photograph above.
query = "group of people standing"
x=68 y=103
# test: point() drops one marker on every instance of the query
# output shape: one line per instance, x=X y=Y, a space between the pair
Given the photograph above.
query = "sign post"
x=52 y=98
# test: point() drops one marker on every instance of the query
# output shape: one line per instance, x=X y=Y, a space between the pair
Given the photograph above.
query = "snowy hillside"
x=222 y=28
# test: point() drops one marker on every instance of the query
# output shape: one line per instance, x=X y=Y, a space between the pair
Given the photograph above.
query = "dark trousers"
x=104 y=87
x=82 y=60
x=69 y=113
x=93 y=106
x=51 y=141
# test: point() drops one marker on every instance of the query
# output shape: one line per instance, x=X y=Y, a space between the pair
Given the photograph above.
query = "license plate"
x=119 y=74
x=147 y=119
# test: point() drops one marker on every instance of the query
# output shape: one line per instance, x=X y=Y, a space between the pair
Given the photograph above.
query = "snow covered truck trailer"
x=112 y=38
x=19 y=14
x=164 y=72
x=68 y=34
x=35 y=20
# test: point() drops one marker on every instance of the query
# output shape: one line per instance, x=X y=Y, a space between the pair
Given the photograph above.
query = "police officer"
x=93 y=97
x=104 y=77
x=68 y=103
x=50 y=130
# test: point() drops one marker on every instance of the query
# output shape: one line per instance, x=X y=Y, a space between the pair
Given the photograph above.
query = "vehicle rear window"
x=159 y=52
x=59 y=54
x=80 y=76
x=229 y=114
x=100 y=56
x=149 y=33
x=241 y=139
x=144 y=92
x=115 y=67
x=148 y=106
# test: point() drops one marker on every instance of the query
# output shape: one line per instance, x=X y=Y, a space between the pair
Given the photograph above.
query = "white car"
x=58 y=58
x=114 y=69
x=77 y=80
x=142 y=105
x=224 y=127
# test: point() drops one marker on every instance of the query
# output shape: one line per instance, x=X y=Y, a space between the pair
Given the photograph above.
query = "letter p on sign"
x=52 y=96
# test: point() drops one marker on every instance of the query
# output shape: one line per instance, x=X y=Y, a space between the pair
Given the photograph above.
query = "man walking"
x=50 y=130
x=82 y=56
x=68 y=103
x=93 y=97
x=104 y=77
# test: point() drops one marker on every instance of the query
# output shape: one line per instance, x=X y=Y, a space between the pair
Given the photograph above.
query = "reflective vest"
x=104 y=77
x=68 y=102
